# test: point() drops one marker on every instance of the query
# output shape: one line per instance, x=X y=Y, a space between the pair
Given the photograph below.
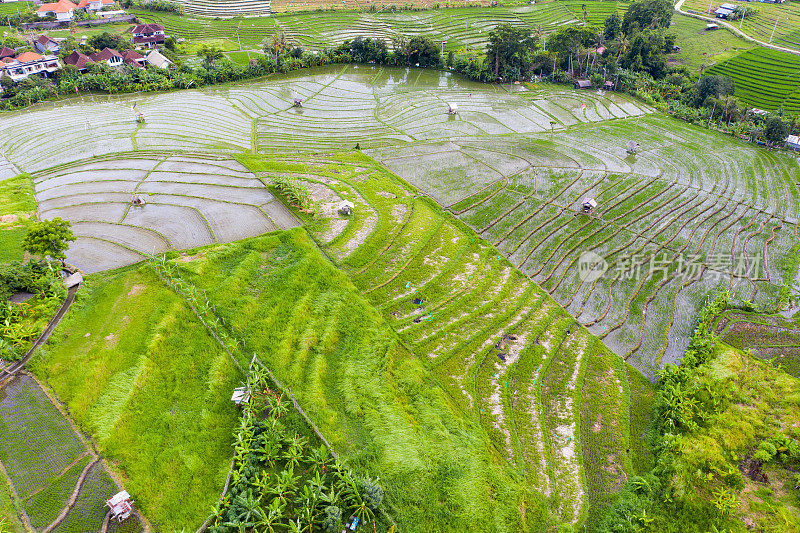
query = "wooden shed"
x=583 y=84
x=452 y=108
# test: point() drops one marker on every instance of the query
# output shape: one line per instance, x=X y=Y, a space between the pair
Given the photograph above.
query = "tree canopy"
x=108 y=40
x=509 y=50
x=775 y=130
x=612 y=27
x=49 y=238
x=647 y=14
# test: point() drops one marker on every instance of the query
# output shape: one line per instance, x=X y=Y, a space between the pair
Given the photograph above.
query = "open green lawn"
x=701 y=48
x=142 y=376
x=17 y=206
x=778 y=22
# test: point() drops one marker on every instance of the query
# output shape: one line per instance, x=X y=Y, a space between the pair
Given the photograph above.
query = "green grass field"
x=143 y=377
x=704 y=49
x=779 y=22
x=17 y=206
x=12 y=8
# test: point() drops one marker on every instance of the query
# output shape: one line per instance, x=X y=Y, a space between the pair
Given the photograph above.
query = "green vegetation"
x=145 y=379
x=49 y=238
x=726 y=454
x=284 y=474
x=765 y=78
x=767 y=336
x=17 y=206
x=375 y=403
x=22 y=323
x=38 y=449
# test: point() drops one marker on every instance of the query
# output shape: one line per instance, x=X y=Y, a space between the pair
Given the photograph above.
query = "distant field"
x=142 y=376
x=761 y=25
x=15 y=7
x=460 y=27
x=765 y=78
x=701 y=48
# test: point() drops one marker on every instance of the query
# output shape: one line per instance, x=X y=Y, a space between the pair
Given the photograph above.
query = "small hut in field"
x=588 y=205
x=632 y=147
x=452 y=108
x=583 y=84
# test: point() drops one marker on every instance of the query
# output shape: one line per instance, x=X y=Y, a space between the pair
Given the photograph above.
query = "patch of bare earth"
x=136 y=290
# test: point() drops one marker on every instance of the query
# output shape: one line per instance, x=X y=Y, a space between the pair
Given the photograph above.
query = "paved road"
x=734 y=29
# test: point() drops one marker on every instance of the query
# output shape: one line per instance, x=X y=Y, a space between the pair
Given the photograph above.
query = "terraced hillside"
x=464 y=27
x=343 y=106
x=764 y=78
x=189 y=201
x=555 y=403
x=673 y=221
x=226 y=8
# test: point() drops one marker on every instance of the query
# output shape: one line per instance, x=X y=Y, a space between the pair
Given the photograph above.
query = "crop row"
x=670 y=218
x=497 y=342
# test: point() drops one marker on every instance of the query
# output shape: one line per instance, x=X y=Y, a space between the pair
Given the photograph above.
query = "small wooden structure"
x=632 y=147
x=588 y=205
x=137 y=201
x=712 y=26
x=452 y=108
x=583 y=84
x=298 y=102
x=120 y=505
x=241 y=396
x=346 y=208
x=608 y=85
x=793 y=142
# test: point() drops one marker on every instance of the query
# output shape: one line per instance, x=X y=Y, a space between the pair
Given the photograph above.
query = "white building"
x=64 y=10
x=27 y=63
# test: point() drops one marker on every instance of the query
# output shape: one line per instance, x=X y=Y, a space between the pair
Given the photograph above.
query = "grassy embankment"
x=143 y=377
x=17 y=207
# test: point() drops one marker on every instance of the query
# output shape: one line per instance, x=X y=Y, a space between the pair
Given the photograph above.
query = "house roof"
x=793 y=139
x=157 y=59
x=583 y=83
x=85 y=3
x=62 y=6
x=147 y=28
x=7 y=52
x=78 y=60
x=44 y=39
x=149 y=39
x=27 y=57
x=105 y=54
x=131 y=56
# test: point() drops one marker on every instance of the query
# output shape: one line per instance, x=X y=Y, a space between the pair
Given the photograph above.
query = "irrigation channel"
x=674 y=220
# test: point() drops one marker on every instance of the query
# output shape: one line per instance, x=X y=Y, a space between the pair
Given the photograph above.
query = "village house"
x=7 y=52
x=79 y=61
x=27 y=63
x=148 y=35
x=156 y=59
x=95 y=5
x=725 y=10
x=46 y=45
x=110 y=56
x=132 y=57
x=63 y=10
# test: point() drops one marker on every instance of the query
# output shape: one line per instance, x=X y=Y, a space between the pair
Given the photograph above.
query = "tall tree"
x=644 y=14
x=612 y=27
x=509 y=50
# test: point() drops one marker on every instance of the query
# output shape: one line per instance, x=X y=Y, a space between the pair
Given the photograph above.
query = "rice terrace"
x=348 y=266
